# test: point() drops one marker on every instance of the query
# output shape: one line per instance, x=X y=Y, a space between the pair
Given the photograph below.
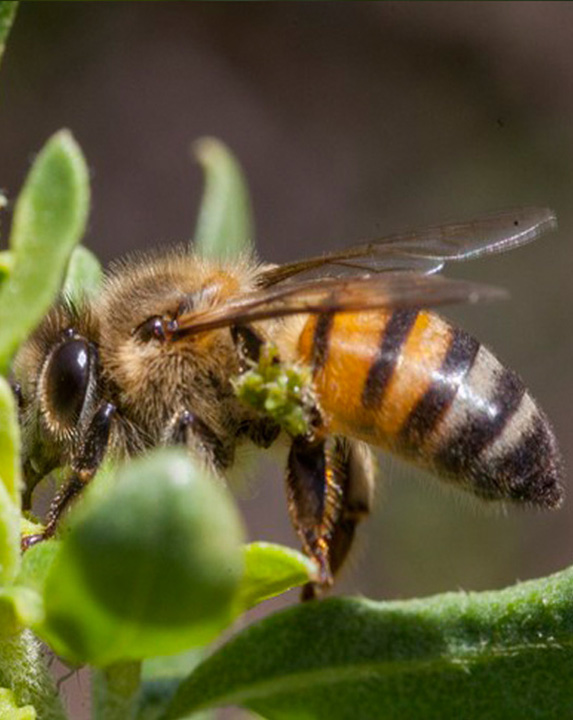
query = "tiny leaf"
x=84 y=274
x=494 y=655
x=225 y=226
x=49 y=219
x=271 y=570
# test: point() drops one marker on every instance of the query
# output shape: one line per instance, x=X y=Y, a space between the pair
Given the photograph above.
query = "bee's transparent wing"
x=426 y=251
x=388 y=291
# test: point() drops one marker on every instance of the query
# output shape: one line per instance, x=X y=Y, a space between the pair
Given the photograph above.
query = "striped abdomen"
x=409 y=382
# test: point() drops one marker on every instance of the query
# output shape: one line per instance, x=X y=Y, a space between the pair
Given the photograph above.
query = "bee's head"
x=57 y=373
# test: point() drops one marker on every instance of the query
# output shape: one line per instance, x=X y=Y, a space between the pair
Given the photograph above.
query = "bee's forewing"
x=392 y=290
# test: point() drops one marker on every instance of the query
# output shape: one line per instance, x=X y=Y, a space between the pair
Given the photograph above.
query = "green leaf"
x=9 y=537
x=150 y=568
x=21 y=604
x=36 y=565
x=225 y=225
x=271 y=570
x=10 y=485
x=20 y=607
x=84 y=274
x=49 y=219
x=172 y=666
x=493 y=655
x=6 y=264
x=160 y=679
x=23 y=669
x=115 y=690
x=9 y=709
x=7 y=15
x=9 y=443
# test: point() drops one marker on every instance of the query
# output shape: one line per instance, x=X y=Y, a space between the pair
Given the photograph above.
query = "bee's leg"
x=188 y=429
x=351 y=466
x=313 y=501
x=84 y=467
x=248 y=343
x=263 y=432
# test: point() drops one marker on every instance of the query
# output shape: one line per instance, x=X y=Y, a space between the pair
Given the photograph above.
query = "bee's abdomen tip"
x=535 y=468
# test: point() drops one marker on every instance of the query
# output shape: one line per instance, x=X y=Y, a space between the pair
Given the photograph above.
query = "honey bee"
x=153 y=358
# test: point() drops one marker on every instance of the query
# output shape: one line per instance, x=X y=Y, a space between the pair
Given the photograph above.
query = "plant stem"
x=114 y=690
x=23 y=670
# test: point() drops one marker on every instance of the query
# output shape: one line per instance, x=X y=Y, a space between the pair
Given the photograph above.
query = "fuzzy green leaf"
x=49 y=219
x=7 y=14
x=23 y=669
x=150 y=568
x=495 y=655
x=84 y=274
x=271 y=570
x=225 y=225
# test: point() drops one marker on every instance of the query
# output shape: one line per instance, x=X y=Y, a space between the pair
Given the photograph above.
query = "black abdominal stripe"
x=482 y=429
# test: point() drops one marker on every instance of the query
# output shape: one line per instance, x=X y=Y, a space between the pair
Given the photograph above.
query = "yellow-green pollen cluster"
x=281 y=391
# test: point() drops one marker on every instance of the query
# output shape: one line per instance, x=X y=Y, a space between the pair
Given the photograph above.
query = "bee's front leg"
x=84 y=466
x=248 y=343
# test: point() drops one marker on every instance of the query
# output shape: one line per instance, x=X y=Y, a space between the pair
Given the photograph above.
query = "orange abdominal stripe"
x=372 y=368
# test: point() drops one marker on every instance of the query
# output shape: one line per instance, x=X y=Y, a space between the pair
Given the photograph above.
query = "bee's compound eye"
x=66 y=379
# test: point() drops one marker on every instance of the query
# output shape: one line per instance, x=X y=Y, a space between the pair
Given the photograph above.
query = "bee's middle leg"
x=190 y=430
x=84 y=467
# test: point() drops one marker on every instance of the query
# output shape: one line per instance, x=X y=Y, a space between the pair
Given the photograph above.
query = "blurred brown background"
x=351 y=120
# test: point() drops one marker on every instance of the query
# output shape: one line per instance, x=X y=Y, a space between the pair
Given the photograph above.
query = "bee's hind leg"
x=330 y=489
x=84 y=467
